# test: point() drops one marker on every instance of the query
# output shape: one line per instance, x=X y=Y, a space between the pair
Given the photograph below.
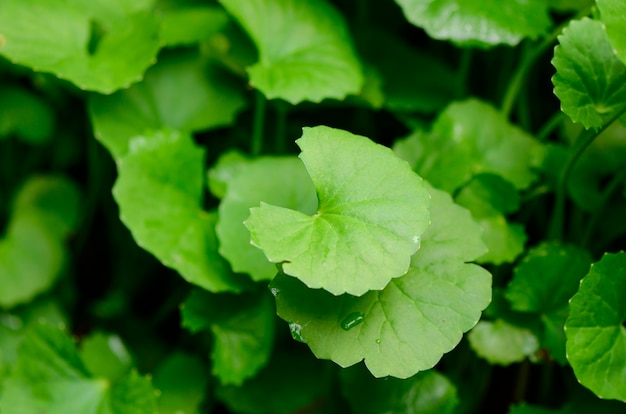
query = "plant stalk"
x=258 y=124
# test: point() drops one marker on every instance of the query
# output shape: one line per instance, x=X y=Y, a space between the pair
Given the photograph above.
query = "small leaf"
x=26 y=115
x=181 y=92
x=595 y=332
x=280 y=181
x=469 y=138
x=428 y=392
x=100 y=46
x=415 y=319
x=242 y=326
x=105 y=355
x=502 y=343
x=590 y=79
x=182 y=382
x=613 y=15
x=159 y=190
x=489 y=198
x=305 y=49
x=50 y=377
x=372 y=212
x=483 y=24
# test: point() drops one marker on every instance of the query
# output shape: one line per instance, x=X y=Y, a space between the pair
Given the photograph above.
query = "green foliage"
x=320 y=206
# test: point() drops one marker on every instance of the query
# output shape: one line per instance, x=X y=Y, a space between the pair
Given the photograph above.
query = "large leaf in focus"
x=242 y=326
x=613 y=15
x=182 y=382
x=292 y=382
x=472 y=137
x=50 y=377
x=159 y=191
x=415 y=319
x=502 y=343
x=305 y=49
x=595 y=332
x=182 y=92
x=280 y=181
x=479 y=23
x=372 y=211
x=590 y=79
x=489 y=198
x=97 y=45
x=428 y=392
x=25 y=114
x=32 y=252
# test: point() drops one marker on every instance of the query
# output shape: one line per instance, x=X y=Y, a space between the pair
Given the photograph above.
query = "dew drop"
x=275 y=291
x=296 y=331
x=352 y=320
x=378 y=341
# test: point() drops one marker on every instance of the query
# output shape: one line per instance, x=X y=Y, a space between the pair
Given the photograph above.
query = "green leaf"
x=570 y=5
x=50 y=377
x=489 y=198
x=595 y=332
x=182 y=382
x=372 y=211
x=502 y=343
x=415 y=319
x=186 y=25
x=292 y=382
x=482 y=24
x=105 y=355
x=590 y=79
x=547 y=278
x=182 y=92
x=613 y=15
x=44 y=213
x=100 y=45
x=469 y=138
x=159 y=191
x=426 y=393
x=25 y=114
x=280 y=181
x=531 y=409
x=242 y=326
x=305 y=49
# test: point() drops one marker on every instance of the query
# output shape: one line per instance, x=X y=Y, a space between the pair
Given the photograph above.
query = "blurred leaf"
x=182 y=382
x=26 y=115
x=186 y=25
x=502 y=343
x=305 y=49
x=105 y=355
x=98 y=45
x=613 y=15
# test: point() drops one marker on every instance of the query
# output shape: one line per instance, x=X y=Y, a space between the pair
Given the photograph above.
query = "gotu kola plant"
x=436 y=184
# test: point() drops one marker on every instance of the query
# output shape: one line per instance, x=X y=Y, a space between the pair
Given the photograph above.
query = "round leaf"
x=98 y=45
x=479 y=23
x=595 y=332
x=305 y=49
x=159 y=190
x=415 y=319
x=590 y=79
x=372 y=212
x=501 y=343
x=181 y=92
x=281 y=181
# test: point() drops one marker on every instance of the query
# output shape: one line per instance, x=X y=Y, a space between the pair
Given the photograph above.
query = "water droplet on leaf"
x=275 y=291
x=378 y=341
x=352 y=320
x=296 y=331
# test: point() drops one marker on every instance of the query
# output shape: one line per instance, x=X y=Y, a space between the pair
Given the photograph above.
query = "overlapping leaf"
x=242 y=326
x=25 y=114
x=186 y=24
x=415 y=319
x=182 y=92
x=98 y=45
x=595 y=332
x=502 y=343
x=472 y=137
x=372 y=211
x=305 y=49
x=613 y=15
x=479 y=23
x=428 y=392
x=50 y=377
x=590 y=79
x=182 y=383
x=159 y=191
x=32 y=252
x=280 y=181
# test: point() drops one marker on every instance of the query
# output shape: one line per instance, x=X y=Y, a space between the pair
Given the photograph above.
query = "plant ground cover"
x=312 y=206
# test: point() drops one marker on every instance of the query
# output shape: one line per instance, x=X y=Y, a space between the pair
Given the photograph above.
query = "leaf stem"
x=465 y=64
x=259 y=124
x=281 y=127
x=550 y=125
x=607 y=193
x=583 y=141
